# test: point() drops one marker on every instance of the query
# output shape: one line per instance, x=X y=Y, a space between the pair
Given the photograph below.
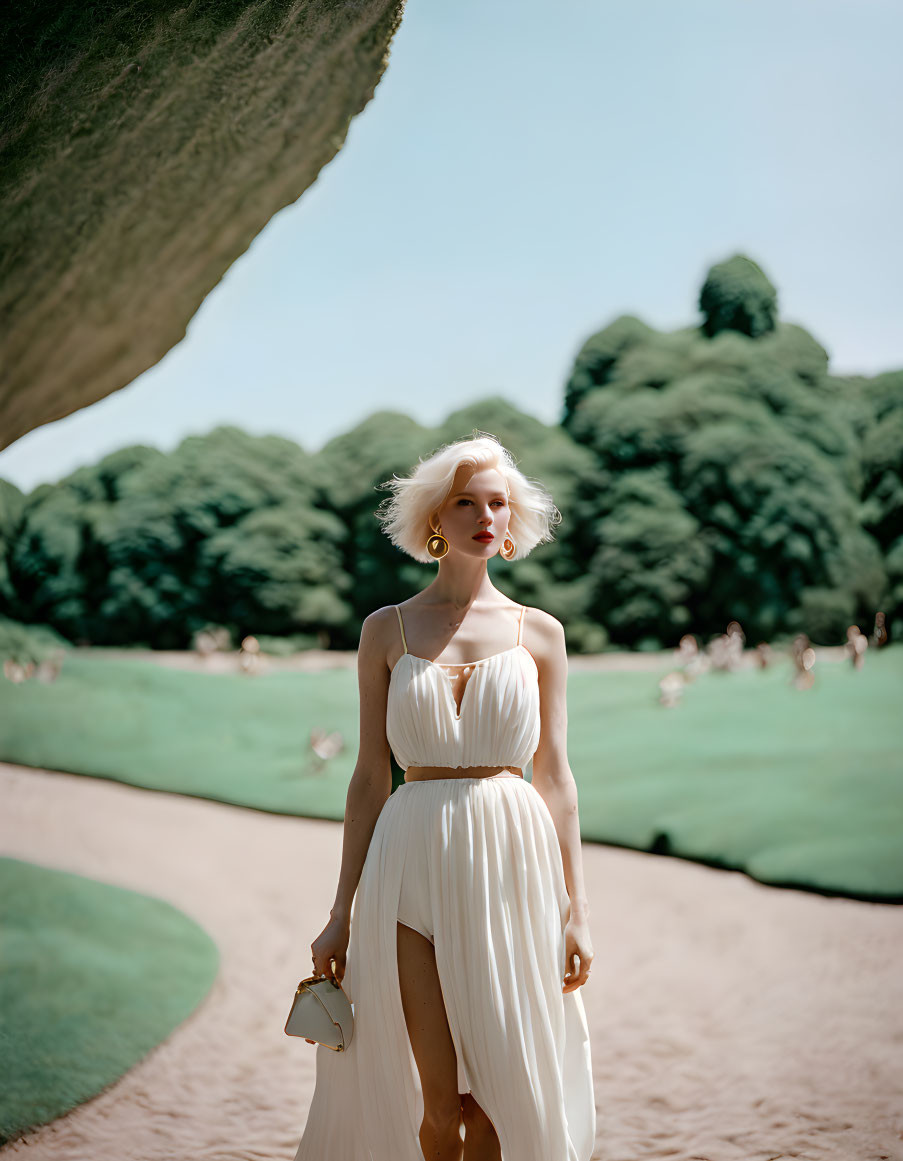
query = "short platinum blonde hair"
x=405 y=515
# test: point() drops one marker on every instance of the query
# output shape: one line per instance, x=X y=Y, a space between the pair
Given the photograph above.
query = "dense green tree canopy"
x=148 y=547
x=715 y=472
x=752 y=451
x=736 y=296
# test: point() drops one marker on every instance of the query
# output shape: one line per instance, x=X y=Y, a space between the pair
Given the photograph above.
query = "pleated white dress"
x=474 y=863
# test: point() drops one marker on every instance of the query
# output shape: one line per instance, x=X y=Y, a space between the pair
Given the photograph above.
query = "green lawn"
x=794 y=787
x=92 y=977
x=797 y=788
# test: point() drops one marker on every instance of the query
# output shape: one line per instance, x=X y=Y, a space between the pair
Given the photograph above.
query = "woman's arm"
x=552 y=774
x=371 y=782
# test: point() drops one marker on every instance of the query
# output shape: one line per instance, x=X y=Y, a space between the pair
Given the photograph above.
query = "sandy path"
x=729 y=1020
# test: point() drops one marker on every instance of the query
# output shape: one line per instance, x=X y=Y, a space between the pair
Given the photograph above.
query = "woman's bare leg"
x=481 y=1141
x=432 y=1044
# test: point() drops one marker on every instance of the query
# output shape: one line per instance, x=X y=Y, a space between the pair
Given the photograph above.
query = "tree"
x=752 y=450
x=737 y=296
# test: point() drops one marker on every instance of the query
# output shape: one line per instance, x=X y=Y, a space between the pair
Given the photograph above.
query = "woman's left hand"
x=578 y=945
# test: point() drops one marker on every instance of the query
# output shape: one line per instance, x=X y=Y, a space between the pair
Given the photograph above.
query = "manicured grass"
x=794 y=787
x=229 y=737
x=797 y=788
x=92 y=977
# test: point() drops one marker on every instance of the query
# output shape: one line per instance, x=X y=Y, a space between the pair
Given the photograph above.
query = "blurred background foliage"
x=716 y=472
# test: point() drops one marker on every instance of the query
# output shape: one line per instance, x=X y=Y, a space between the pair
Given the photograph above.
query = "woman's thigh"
x=427 y=1023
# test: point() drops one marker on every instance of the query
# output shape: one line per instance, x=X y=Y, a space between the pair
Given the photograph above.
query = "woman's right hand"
x=331 y=945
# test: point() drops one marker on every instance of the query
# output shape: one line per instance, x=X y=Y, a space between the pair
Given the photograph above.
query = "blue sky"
x=525 y=173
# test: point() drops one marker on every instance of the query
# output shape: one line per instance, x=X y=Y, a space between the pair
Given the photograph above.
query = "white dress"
x=475 y=864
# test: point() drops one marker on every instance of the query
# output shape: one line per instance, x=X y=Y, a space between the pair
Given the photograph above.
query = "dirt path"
x=730 y=1020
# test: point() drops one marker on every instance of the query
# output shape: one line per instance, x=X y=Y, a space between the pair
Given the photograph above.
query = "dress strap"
x=520 y=622
x=401 y=625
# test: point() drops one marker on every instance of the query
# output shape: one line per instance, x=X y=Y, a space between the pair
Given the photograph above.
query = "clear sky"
x=525 y=173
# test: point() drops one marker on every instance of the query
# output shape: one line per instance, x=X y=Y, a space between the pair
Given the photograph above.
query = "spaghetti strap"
x=520 y=622
x=401 y=626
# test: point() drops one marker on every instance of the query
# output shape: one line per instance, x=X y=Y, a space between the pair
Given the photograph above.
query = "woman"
x=460 y=924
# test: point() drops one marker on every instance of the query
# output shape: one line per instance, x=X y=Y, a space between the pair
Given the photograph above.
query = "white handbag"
x=321 y=1011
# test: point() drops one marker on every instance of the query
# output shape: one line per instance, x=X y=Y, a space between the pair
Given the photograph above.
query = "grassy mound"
x=92 y=977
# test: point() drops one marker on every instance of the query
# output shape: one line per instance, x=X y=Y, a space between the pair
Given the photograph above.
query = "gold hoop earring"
x=505 y=551
x=436 y=545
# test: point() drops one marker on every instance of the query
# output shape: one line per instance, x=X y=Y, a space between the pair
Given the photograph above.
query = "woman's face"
x=477 y=503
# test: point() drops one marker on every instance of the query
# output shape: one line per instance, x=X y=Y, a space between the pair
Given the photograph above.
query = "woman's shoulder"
x=543 y=635
x=379 y=619
x=542 y=620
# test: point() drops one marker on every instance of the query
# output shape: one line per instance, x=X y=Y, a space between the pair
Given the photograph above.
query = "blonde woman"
x=460 y=925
